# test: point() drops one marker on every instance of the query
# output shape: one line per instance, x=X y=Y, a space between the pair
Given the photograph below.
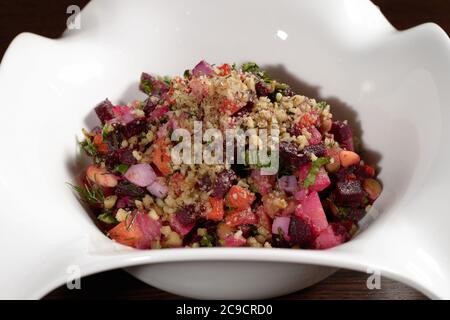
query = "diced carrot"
x=225 y=69
x=100 y=145
x=307 y=120
x=175 y=183
x=126 y=233
x=217 y=211
x=238 y=217
x=239 y=198
x=98 y=139
x=161 y=157
x=229 y=107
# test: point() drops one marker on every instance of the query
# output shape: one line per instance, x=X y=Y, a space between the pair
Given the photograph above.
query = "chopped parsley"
x=88 y=147
x=314 y=170
x=121 y=168
x=207 y=241
x=322 y=104
x=255 y=69
x=107 y=217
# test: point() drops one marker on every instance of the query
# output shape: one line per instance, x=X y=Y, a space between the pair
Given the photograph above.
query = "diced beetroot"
x=150 y=105
x=288 y=184
x=158 y=112
x=204 y=183
x=311 y=211
x=322 y=181
x=125 y=202
x=316 y=137
x=150 y=228
x=303 y=172
x=349 y=193
x=125 y=188
x=263 y=183
x=262 y=90
x=104 y=111
x=179 y=227
x=245 y=110
x=152 y=86
x=342 y=134
x=234 y=241
x=263 y=219
x=319 y=150
x=126 y=157
x=356 y=214
x=327 y=239
x=122 y=114
x=223 y=183
x=186 y=215
x=290 y=155
x=133 y=128
x=300 y=232
x=340 y=229
x=281 y=223
x=120 y=156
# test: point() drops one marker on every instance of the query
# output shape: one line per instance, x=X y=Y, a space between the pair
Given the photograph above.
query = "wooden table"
x=48 y=18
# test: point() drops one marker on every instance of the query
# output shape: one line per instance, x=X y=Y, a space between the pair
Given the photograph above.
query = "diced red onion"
x=288 y=184
x=158 y=188
x=283 y=224
x=316 y=137
x=301 y=194
x=141 y=174
x=202 y=68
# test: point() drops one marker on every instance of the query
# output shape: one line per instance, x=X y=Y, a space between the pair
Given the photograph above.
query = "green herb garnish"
x=89 y=193
x=107 y=217
x=105 y=131
x=88 y=147
x=146 y=85
x=255 y=69
x=207 y=241
x=322 y=104
x=121 y=168
x=187 y=74
x=314 y=170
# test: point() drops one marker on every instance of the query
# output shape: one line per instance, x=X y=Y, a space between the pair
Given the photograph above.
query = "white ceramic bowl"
x=393 y=86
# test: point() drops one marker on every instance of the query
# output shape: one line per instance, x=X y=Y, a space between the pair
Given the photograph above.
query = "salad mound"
x=143 y=199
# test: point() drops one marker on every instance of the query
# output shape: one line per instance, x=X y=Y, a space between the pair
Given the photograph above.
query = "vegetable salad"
x=143 y=199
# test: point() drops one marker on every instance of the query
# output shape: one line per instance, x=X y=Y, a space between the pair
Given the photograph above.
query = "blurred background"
x=48 y=18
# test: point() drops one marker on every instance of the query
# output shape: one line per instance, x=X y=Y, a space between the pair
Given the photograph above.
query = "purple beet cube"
x=104 y=111
x=349 y=193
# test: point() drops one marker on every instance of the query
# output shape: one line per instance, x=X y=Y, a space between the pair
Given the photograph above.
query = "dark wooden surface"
x=48 y=18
